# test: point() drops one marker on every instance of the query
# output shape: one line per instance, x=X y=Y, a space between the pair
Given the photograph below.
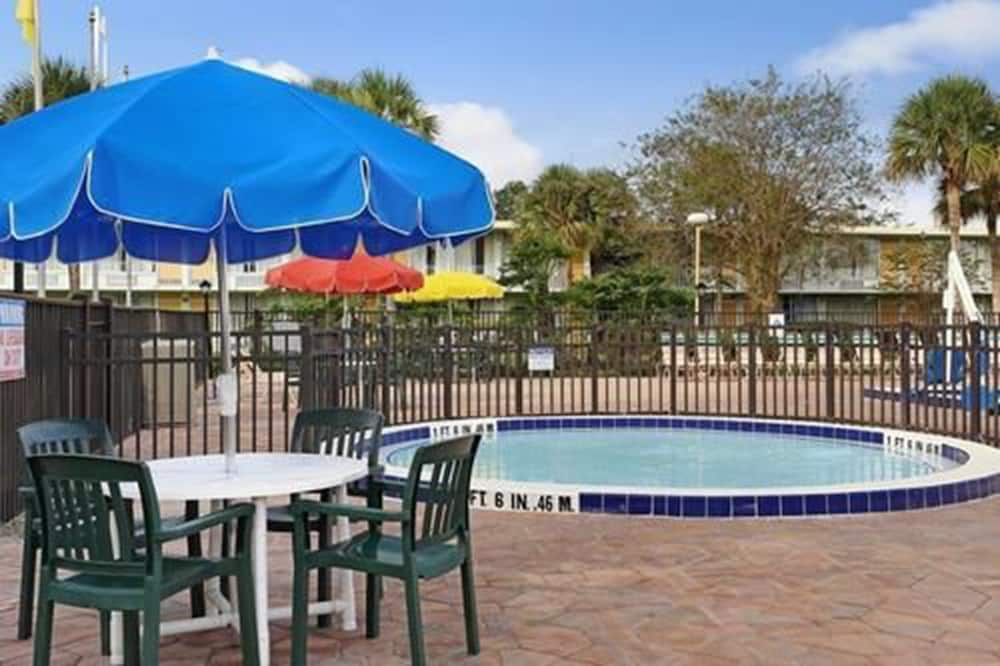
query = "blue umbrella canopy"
x=172 y=164
x=169 y=164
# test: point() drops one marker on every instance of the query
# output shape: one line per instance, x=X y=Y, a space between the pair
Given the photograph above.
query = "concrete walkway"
x=907 y=589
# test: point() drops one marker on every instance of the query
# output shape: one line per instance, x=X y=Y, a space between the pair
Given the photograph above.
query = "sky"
x=526 y=83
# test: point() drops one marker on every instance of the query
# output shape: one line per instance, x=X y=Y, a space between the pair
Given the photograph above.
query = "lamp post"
x=697 y=220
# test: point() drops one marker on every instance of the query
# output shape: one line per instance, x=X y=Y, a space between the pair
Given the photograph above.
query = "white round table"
x=258 y=477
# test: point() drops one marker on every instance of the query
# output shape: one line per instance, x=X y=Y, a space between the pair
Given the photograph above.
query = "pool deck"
x=912 y=589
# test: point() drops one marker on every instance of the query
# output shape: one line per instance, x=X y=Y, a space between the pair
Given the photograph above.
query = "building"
x=179 y=287
x=894 y=272
x=866 y=287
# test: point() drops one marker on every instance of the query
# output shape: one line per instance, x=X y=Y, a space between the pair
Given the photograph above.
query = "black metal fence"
x=160 y=398
x=151 y=376
x=471 y=315
x=53 y=388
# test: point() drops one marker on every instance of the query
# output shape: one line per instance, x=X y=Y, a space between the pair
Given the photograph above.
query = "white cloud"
x=279 y=69
x=963 y=30
x=486 y=137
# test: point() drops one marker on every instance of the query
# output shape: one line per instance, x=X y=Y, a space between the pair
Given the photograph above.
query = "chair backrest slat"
x=439 y=479
x=339 y=431
x=78 y=495
x=54 y=436
x=86 y=436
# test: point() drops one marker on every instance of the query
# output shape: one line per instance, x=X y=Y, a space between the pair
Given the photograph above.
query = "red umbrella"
x=361 y=274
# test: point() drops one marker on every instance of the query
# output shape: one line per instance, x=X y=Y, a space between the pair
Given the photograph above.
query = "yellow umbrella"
x=452 y=286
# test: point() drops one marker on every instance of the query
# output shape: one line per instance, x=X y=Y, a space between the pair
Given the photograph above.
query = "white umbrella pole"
x=227 y=380
x=128 y=281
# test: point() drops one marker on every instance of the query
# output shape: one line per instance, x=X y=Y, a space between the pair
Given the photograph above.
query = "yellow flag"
x=24 y=12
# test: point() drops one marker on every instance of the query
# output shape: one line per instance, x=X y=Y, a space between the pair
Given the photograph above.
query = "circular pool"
x=707 y=467
x=684 y=458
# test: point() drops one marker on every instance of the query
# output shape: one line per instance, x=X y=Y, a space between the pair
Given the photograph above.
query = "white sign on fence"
x=11 y=340
x=541 y=359
x=776 y=322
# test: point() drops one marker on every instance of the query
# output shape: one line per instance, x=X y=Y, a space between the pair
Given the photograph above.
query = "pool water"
x=684 y=459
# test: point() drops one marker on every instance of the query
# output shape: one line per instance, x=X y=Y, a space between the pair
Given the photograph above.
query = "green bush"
x=634 y=291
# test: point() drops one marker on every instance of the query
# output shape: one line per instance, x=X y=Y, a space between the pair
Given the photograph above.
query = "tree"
x=614 y=211
x=921 y=269
x=582 y=208
x=391 y=97
x=779 y=166
x=637 y=290
x=947 y=130
x=533 y=258
x=61 y=80
x=507 y=200
x=983 y=200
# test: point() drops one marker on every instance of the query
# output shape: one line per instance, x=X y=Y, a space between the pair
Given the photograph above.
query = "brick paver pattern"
x=910 y=589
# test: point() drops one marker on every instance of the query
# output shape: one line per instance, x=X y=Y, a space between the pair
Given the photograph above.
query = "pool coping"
x=976 y=476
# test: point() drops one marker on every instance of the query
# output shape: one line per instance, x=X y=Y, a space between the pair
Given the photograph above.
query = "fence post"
x=108 y=372
x=65 y=362
x=449 y=373
x=974 y=331
x=519 y=369
x=258 y=330
x=752 y=369
x=384 y=357
x=673 y=368
x=109 y=327
x=307 y=373
x=594 y=368
x=85 y=342
x=337 y=356
x=904 y=369
x=831 y=403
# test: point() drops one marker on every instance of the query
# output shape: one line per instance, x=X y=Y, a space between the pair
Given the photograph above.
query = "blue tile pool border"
x=774 y=504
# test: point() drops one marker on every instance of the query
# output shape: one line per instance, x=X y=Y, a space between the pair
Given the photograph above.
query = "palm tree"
x=946 y=130
x=391 y=97
x=61 y=79
x=983 y=201
x=559 y=202
x=588 y=211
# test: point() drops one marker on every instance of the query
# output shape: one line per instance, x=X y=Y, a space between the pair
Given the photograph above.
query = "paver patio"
x=908 y=589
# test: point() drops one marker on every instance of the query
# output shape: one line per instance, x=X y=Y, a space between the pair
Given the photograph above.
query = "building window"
x=479 y=262
x=250 y=267
x=430 y=259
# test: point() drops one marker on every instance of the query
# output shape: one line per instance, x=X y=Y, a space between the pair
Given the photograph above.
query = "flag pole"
x=96 y=21
x=36 y=61
x=36 y=76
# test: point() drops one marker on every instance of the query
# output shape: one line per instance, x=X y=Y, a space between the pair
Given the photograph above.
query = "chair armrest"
x=26 y=493
x=306 y=507
x=382 y=483
x=202 y=523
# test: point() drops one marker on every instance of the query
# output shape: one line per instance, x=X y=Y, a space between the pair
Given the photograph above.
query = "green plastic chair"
x=81 y=436
x=78 y=496
x=354 y=433
x=439 y=480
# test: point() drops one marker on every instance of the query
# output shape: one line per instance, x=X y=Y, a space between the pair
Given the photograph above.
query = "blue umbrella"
x=175 y=164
